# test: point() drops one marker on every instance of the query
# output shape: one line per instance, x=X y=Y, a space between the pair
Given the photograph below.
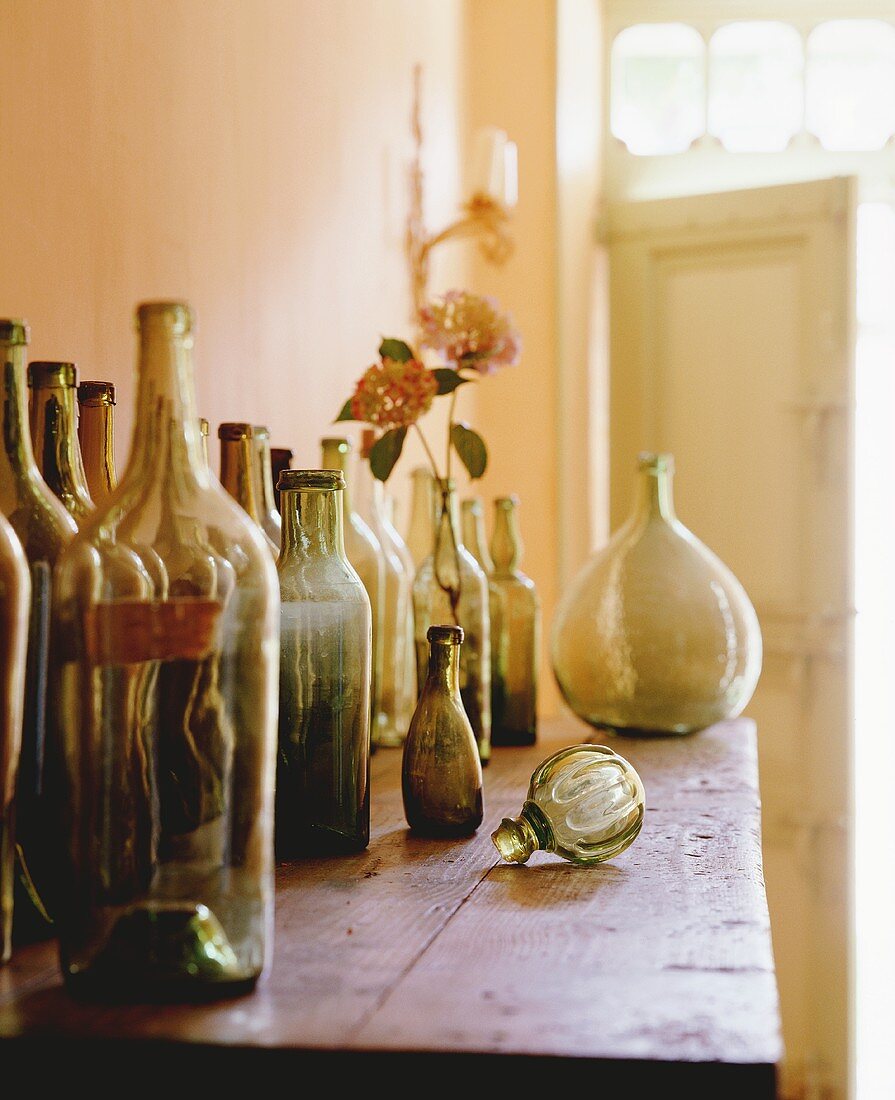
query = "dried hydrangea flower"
x=392 y=394
x=470 y=331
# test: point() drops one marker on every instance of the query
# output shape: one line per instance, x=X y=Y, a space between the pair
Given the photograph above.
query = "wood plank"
x=662 y=955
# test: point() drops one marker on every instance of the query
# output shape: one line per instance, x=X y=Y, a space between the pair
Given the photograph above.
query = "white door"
x=732 y=348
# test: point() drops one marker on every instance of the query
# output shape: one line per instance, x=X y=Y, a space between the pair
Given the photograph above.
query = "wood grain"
x=660 y=958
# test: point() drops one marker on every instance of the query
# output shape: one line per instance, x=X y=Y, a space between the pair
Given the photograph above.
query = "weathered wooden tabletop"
x=652 y=970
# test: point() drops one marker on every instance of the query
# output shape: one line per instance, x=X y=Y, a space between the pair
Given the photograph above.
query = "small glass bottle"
x=44 y=528
x=270 y=516
x=323 y=770
x=238 y=472
x=398 y=657
x=421 y=529
x=514 y=677
x=280 y=459
x=96 y=400
x=15 y=597
x=450 y=565
x=441 y=774
x=365 y=554
x=585 y=803
x=167 y=716
x=54 y=435
x=476 y=542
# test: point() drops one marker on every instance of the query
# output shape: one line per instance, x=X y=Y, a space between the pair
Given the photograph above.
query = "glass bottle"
x=15 y=597
x=96 y=400
x=365 y=554
x=585 y=803
x=270 y=517
x=476 y=542
x=514 y=677
x=43 y=527
x=323 y=771
x=280 y=459
x=441 y=774
x=54 y=435
x=167 y=715
x=238 y=472
x=421 y=529
x=655 y=634
x=451 y=566
x=398 y=657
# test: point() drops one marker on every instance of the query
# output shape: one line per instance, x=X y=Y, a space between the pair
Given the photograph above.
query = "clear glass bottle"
x=514 y=676
x=323 y=772
x=441 y=774
x=421 y=528
x=365 y=554
x=15 y=599
x=239 y=472
x=585 y=803
x=267 y=507
x=452 y=564
x=398 y=656
x=655 y=634
x=43 y=527
x=54 y=435
x=167 y=715
x=280 y=459
x=476 y=542
x=96 y=400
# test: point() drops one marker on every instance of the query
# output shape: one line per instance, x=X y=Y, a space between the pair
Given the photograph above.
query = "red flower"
x=392 y=394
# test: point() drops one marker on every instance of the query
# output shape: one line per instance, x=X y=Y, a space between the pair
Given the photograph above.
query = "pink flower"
x=392 y=394
x=470 y=331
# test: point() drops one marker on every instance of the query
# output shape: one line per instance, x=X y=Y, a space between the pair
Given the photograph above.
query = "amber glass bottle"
x=167 y=715
x=441 y=775
x=96 y=400
x=514 y=669
x=323 y=773
x=54 y=435
x=43 y=527
x=267 y=506
x=280 y=460
x=238 y=472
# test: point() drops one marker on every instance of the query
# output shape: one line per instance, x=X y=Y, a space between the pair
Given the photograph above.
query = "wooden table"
x=433 y=958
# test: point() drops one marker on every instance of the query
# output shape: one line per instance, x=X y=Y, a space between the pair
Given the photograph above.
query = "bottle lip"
x=260 y=431
x=47 y=373
x=203 y=426
x=655 y=462
x=13 y=330
x=235 y=430
x=445 y=635
x=179 y=314
x=281 y=452
x=310 y=480
x=472 y=504
x=93 y=392
x=422 y=472
x=336 y=441
x=506 y=503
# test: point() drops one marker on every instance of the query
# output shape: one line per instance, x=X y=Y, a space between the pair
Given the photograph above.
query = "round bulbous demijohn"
x=655 y=634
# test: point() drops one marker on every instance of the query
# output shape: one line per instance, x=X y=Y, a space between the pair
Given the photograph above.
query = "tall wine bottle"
x=54 y=435
x=96 y=400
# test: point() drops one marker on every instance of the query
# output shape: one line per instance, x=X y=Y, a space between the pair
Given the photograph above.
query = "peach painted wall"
x=249 y=155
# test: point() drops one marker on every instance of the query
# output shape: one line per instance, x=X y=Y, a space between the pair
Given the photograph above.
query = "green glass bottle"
x=267 y=507
x=323 y=771
x=44 y=528
x=514 y=676
x=451 y=566
x=54 y=435
x=239 y=472
x=364 y=551
x=441 y=774
x=585 y=803
x=96 y=402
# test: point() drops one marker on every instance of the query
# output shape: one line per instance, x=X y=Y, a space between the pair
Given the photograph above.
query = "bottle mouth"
x=506 y=504
x=512 y=841
x=446 y=635
x=179 y=315
x=43 y=374
x=259 y=431
x=232 y=430
x=203 y=427
x=94 y=393
x=655 y=462
x=310 y=480
x=473 y=505
x=14 y=331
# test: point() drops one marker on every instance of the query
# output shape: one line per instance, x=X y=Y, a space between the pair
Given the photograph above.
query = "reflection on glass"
x=755 y=85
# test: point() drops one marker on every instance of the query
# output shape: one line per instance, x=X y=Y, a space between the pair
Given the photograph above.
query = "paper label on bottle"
x=121 y=632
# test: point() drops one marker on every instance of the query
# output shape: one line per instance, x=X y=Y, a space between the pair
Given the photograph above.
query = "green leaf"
x=386 y=451
x=345 y=413
x=448 y=380
x=391 y=348
x=471 y=448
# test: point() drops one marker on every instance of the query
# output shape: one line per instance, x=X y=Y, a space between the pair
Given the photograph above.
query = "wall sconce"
x=493 y=193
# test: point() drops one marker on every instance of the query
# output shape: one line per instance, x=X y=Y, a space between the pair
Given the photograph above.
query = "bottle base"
x=98 y=989
x=510 y=739
x=439 y=831
x=637 y=731
x=321 y=842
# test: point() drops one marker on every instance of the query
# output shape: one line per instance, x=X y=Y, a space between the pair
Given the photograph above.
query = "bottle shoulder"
x=319 y=579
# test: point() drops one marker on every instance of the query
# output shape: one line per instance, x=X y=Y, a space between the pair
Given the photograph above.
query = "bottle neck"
x=448 y=509
x=95 y=433
x=506 y=546
x=166 y=433
x=238 y=473
x=16 y=455
x=517 y=837
x=474 y=536
x=55 y=444
x=444 y=668
x=268 y=502
x=335 y=457
x=655 y=499
x=312 y=523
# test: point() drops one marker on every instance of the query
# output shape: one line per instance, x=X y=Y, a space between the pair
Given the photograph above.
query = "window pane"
x=850 y=96
x=658 y=87
x=755 y=85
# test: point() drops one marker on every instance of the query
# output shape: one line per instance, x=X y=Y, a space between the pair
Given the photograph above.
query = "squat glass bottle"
x=323 y=770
